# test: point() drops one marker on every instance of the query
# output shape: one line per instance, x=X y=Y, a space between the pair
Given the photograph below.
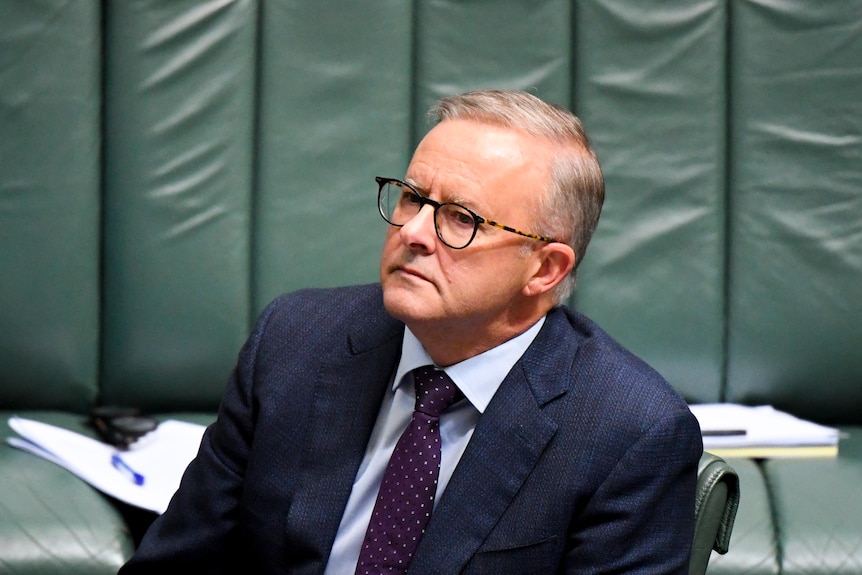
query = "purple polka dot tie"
x=406 y=495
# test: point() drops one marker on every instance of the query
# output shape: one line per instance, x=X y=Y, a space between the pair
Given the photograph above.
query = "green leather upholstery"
x=51 y=521
x=818 y=507
x=177 y=199
x=796 y=234
x=753 y=546
x=50 y=96
x=715 y=510
x=352 y=59
x=654 y=104
x=168 y=166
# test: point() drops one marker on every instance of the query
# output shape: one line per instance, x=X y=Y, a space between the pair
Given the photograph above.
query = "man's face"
x=496 y=172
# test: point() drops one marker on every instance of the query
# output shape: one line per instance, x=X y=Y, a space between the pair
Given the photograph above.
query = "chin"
x=404 y=304
x=399 y=302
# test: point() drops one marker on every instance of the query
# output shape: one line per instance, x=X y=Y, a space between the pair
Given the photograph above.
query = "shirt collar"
x=477 y=377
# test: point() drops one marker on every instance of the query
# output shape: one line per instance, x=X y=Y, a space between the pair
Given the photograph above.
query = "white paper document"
x=729 y=425
x=146 y=475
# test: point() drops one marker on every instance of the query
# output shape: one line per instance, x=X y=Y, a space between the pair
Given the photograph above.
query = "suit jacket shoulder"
x=273 y=474
x=328 y=316
x=583 y=462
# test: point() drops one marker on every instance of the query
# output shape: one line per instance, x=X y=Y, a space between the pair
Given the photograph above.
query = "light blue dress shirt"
x=478 y=379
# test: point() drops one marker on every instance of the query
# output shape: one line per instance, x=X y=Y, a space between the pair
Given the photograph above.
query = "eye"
x=409 y=199
x=458 y=217
x=464 y=218
x=409 y=196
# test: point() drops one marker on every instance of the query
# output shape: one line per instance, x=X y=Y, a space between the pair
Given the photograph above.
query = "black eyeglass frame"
x=424 y=200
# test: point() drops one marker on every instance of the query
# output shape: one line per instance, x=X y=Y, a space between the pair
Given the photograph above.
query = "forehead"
x=474 y=163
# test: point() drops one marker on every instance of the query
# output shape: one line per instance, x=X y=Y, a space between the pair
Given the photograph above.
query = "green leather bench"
x=167 y=167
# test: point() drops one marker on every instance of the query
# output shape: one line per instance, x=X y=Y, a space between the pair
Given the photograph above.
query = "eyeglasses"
x=455 y=225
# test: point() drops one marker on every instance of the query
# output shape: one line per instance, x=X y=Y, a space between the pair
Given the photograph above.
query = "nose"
x=419 y=232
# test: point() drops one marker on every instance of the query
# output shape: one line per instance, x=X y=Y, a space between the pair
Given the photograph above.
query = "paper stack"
x=146 y=475
x=733 y=430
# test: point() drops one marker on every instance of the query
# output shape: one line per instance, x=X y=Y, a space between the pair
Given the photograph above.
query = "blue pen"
x=124 y=468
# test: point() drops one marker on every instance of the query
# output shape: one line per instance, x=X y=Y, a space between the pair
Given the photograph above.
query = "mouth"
x=410 y=272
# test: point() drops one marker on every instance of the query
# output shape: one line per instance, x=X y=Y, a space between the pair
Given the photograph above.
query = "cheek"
x=495 y=280
x=468 y=281
x=455 y=272
x=391 y=236
x=391 y=244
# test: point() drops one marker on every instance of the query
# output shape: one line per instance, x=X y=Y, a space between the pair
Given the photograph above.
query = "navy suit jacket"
x=584 y=461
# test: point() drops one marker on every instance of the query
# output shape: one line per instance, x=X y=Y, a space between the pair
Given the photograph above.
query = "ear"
x=555 y=261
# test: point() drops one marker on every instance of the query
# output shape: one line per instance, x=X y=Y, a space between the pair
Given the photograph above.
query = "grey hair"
x=571 y=207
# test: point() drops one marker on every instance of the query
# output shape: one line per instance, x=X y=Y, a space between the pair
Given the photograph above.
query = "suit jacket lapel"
x=507 y=443
x=348 y=390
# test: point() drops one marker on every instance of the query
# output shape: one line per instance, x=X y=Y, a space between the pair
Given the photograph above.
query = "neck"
x=457 y=340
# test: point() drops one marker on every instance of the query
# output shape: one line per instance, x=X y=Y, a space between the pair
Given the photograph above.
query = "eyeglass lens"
x=455 y=225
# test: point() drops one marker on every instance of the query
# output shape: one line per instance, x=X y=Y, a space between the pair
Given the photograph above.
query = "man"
x=566 y=455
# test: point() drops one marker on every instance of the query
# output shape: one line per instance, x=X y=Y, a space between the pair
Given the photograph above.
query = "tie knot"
x=435 y=391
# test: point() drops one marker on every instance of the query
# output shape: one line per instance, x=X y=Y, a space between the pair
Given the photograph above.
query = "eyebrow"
x=412 y=183
x=460 y=200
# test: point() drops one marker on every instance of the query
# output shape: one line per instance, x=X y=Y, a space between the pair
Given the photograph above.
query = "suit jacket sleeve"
x=195 y=533
x=641 y=518
x=267 y=489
